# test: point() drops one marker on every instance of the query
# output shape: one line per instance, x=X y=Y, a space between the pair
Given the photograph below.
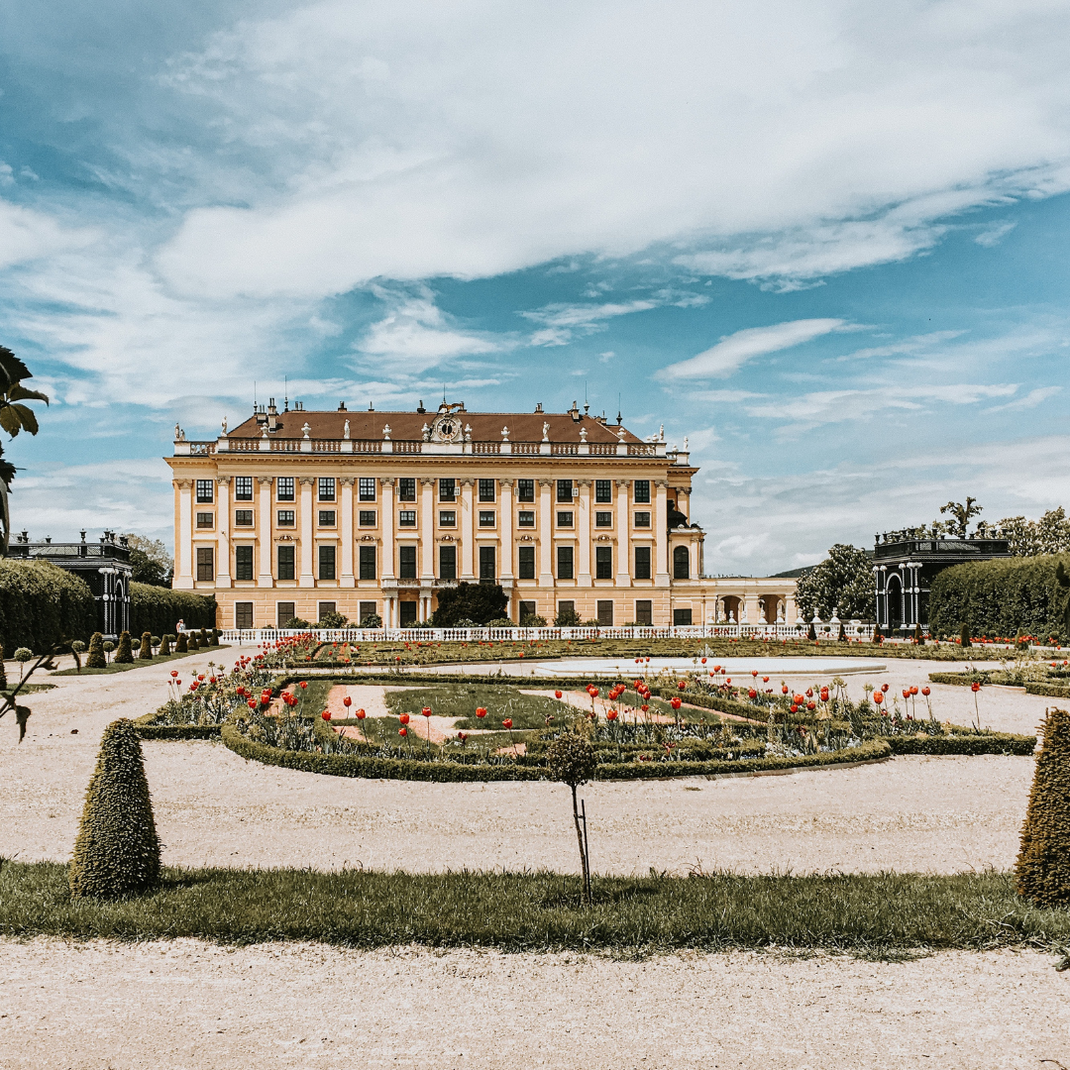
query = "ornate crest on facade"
x=448 y=425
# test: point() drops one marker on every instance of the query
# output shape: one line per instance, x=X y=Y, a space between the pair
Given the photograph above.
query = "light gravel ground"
x=187 y=1004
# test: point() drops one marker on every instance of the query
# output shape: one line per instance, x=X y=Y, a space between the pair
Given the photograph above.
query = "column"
x=264 y=578
x=624 y=542
x=427 y=531
x=346 y=528
x=546 y=534
x=505 y=521
x=386 y=566
x=661 y=535
x=583 y=533
x=468 y=533
x=184 y=542
x=307 y=577
x=222 y=521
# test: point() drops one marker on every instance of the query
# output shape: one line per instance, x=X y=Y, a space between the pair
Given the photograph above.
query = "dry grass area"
x=193 y=1005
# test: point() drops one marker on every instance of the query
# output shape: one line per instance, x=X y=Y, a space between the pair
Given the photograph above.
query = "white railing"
x=254 y=636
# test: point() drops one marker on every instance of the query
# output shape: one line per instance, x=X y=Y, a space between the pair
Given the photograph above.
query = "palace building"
x=299 y=513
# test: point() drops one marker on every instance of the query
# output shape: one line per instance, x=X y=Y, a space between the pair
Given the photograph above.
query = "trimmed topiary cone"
x=181 y=643
x=1043 y=865
x=96 y=658
x=165 y=646
x=117 y=852
x=191 y=642
x=145 y=653
x=964 y=636
x=124 y=655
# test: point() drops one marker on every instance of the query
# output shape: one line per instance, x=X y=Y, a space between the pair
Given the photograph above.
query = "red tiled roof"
x=408 y=426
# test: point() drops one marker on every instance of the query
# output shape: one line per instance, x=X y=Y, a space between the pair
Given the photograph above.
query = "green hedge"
x=159 y=609
x=1001 y=598
x=42 y=604
x=959 y=679
x=1049 y=690
x=971 y=745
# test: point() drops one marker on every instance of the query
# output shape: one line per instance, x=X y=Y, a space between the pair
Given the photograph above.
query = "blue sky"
x=826 y=243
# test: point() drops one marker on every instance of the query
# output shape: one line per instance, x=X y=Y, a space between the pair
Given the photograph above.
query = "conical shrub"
x=182 y=643
x=124 y=655
x=192 y=643
x=145 y=653
x=96 y=659
x=1043 y=866
x=964 y=636
x=214 y=640
x=117 y=852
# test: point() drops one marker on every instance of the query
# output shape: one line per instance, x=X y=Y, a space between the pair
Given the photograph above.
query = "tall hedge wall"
x=1002 y=598
x=159 y=609
x=41 y=605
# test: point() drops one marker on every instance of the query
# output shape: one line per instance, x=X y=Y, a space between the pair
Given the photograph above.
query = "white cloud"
x=563 y=320
x=732 y=352
x=994 y=235
x=416 y=332
x=419 y=139
x=27 y=235
x=1030 y=400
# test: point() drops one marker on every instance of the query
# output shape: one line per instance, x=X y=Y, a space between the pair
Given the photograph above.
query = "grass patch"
x=137 y=663
x=879 y=916
x=527 y=712
x=28 y=689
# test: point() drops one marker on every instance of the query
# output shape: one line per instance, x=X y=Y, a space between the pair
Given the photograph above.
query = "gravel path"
x=188 y=1006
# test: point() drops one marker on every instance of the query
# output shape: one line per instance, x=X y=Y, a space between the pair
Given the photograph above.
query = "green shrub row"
x=1050 y=690
x=159 y=609
x=1002 y=598
x=961 y=679
x=971 y=745
x=42 y=604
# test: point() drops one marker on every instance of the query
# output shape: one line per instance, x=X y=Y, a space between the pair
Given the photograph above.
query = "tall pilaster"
x=307 y=575
x=427 y=531
x=583 y=532
x=624 y=542
x=264 y=578
x=346 y=528
x=468 y=533
x=386 y=566
x=661 y=534
x=184 y=542
x=546 y=533
x=505 y=521
x=222 y=520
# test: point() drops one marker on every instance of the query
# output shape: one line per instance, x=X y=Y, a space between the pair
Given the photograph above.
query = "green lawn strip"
x=461 y=699
x=27 y=689
x=872 y=916
x=137 y=663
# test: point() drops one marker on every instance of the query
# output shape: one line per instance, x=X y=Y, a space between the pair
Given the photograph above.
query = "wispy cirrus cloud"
x=731 y=353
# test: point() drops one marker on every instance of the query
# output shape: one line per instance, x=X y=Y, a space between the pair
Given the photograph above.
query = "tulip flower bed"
x=1038 y=678
x=523 y=912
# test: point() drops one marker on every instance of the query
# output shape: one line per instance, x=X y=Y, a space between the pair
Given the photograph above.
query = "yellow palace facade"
x=300 y=513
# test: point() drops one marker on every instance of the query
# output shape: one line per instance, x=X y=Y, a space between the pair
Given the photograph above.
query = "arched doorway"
x=733 y=604
x=769 y=607
x=894 y=595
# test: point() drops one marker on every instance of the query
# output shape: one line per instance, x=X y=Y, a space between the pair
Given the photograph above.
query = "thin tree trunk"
x=583 y=853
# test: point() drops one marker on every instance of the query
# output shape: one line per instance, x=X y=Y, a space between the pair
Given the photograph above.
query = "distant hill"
x=793 y=573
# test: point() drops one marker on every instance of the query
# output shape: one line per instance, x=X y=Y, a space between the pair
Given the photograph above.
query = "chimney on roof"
x=574 y=412
x=342 y=406
x=272 y=415
x=420 y=408
x=538 y=406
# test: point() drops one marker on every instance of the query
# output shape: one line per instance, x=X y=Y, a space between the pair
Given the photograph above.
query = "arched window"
x=681 y=563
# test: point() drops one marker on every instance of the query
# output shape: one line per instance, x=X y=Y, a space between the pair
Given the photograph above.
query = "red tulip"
x=644 y=707
x=347 y=701
x=594 y=692
x=557 y=694
x=754 y=672
x=975 y=686
x=611 y=715
x=765 y=679
x=794 y=708
x=675 y=703
x=878 y=697
x=811 y=705
x=252 y=703
x=906 y=692
x=884 y=687
x=824 y=694
x=404 y=718
x=784 y=689
x=326 y=715
x=729 y=680
x=303 y=684
x=507 y=723
x=403 y=731
x=426 y=711
x=174 y=672
x=752 y=693
x=682 y=685
x=481 y=711
x=925 y=691
x=703 y=661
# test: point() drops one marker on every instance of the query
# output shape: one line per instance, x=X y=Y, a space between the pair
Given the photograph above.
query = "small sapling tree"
x=572 y=761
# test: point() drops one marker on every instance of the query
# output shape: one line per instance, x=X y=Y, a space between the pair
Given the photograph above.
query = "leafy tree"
x=572 y=761
x=150 y=561
x=959 y=515
x=842 y=582
x=567 y=617
x=478 y=602
x=1032 y=538
x=14 y=417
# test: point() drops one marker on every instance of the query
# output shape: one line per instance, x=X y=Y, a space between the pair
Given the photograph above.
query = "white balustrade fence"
x=254 y=636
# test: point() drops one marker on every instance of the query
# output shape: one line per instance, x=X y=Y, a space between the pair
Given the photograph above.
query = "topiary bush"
x=117 y=852
x=95 y=659
x=182 y=643
x=145 y=651
x=192 y=641
x=124 y=655
x=165 y=646
x=1043 y=865
x=159 y=609
x=964 y=636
